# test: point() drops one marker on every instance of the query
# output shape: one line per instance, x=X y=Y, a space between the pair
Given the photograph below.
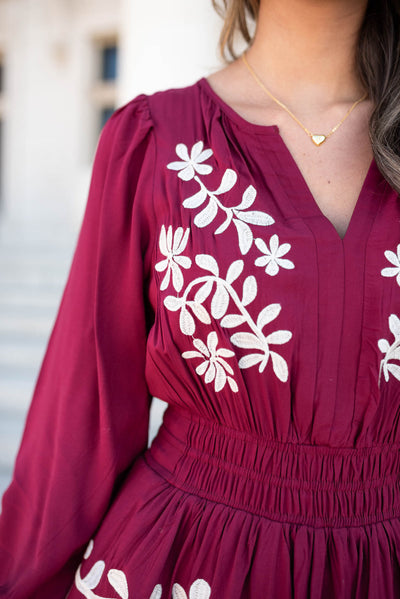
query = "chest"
x=333 y=173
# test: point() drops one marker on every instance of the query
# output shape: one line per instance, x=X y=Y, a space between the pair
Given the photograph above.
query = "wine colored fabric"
x=205 y=274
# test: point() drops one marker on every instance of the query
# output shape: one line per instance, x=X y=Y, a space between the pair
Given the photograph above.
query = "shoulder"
x=155 y=109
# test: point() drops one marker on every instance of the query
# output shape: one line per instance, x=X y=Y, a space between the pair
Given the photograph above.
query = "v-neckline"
x=305 y=204
x=296 y=189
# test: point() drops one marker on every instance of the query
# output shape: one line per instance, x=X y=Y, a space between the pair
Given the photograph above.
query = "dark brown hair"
x=378 y=65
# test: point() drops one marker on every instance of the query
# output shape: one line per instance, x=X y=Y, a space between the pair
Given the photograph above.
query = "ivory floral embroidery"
x=394 y=259
x=223 y=293
x=239 y=215
x=391 y=351
x=214 y=365
x=200 y=589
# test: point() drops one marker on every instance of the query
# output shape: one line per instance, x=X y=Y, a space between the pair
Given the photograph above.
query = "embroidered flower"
x=392 y=351
x=272 y=258
x=213 y=364
x=171 y=247
x=200 y=589
x=392 y=271
x=189 y=165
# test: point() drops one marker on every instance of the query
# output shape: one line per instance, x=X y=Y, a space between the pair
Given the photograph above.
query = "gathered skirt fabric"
x=290 y=522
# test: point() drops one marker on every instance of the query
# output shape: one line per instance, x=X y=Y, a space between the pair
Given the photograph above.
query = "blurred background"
x=65 y=66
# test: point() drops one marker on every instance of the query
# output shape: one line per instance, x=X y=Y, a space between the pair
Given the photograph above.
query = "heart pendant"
x=318 y=139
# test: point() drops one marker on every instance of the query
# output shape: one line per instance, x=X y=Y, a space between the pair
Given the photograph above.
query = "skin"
x=304 y=52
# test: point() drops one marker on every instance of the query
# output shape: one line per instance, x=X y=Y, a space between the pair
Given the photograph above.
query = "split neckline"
x=299 y=193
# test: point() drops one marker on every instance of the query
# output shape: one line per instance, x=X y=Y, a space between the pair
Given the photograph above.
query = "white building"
x=58 y=85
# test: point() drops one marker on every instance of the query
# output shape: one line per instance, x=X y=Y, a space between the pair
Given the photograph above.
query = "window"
x=105 y=79
x=109 y=63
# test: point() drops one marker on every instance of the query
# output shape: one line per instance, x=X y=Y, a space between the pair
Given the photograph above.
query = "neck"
x=311 y=43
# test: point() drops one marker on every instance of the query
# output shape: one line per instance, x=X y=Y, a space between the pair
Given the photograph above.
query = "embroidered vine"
x=239 y=215
x=223 y=293
x=391 y=351
x=200 y=589
x=213 y=361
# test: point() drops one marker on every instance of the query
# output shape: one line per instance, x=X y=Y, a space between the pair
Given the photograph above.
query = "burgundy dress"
x=206 y=275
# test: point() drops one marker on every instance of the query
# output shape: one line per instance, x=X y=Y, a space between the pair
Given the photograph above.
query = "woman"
x=240 y=259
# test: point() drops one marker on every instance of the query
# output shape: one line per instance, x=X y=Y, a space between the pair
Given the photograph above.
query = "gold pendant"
x=318 y=139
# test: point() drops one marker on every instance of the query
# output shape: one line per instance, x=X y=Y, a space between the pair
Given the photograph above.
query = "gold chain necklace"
x=317 y=139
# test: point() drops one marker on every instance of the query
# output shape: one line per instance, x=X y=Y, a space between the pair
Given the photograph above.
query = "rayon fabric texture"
x=205 y=274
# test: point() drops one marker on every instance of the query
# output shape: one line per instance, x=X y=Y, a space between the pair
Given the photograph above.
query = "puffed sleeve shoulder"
x=88 y=418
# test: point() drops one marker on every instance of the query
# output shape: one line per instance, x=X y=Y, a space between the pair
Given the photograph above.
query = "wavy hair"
x=377 y=61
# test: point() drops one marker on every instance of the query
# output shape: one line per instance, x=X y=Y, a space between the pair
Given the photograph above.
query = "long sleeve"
x=88 y=418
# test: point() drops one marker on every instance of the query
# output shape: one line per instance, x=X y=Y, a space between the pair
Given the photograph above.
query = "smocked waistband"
x=288 y=482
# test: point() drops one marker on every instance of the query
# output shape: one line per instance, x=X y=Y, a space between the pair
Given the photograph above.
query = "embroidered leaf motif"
x=225 y=224
x=157 y=592
x=394 y=325
x=186 y=322
x=247 y=199
x=200 y=590
x=200 y=311
x=89 y=549
x=203 y=292
x=279 y=337
x=178 y=592
x=208 y=263
x=255 y=217
x=268 y=314
x=234 y=271
x=280 y=366
x=117 y=580
x=250 y=360
x=229 y=179
x=232 y=320
x=394 y=369
x=220 y=301
x=207 y=215
x=245 y=235
x=196 y=200
x=249 y=290
x=189 y=166
x=383 y=345
x=172 y=303
x=247 y=340
x=92 y=579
